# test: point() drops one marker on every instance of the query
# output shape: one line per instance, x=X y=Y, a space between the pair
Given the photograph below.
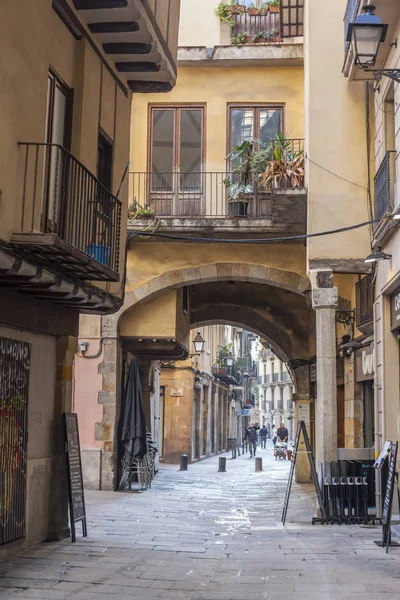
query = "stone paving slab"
x=204 y=535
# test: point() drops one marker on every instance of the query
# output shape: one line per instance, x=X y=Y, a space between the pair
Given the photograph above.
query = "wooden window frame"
x=256 y=106
x=177 y=129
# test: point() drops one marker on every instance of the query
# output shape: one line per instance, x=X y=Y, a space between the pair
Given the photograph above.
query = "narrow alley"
x=204 y=535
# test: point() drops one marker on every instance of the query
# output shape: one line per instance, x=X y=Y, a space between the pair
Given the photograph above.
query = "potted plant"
x=240 y=39
x=274 y=6
x=253 y=10
x=135 y=211
x=262 y=37
x=225 y=10
x=239 y=183
x=284 y=166
x=276 y=36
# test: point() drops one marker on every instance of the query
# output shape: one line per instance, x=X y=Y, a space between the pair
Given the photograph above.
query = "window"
x=58 y=132
x=272 y=398
x=280 y=398
x=104 y=161
x=176 y=147
x=258 y=122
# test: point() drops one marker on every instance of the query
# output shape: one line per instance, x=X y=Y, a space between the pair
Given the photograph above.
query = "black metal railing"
x=364 y=301
x=62 y=197
x=275 y=377
x=266 y=378
x=256 y=27
x=222 y=194
x=285 y=376
x=384 y=186
x=227 y=374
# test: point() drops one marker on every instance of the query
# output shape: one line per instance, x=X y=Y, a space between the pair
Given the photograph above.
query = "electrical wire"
x=335 y=174
x=180 y=238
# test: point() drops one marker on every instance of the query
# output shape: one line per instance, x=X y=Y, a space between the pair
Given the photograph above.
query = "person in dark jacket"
x=263 y=436
x=251 y=436
x=282 y=433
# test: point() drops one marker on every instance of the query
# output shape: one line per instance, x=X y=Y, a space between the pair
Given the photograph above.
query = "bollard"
x=258 y=463
x=233 y=452
x=183 y=462
x=222 y=464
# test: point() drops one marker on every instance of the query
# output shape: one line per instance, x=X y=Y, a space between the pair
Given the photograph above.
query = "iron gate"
x=14 y=382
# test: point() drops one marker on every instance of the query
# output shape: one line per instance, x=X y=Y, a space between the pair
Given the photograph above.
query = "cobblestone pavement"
x=203 y=535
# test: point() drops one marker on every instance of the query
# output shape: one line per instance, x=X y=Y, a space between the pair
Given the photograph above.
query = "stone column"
x=216 y=420
x=324 y=300
x=209 y=420
x=201 y=423
x=302 y=398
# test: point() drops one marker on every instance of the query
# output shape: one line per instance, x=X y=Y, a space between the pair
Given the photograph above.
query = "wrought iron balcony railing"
x=230 y=375
x=221 y=194
x=259 y=26
x=68 y=218
x=384 y=186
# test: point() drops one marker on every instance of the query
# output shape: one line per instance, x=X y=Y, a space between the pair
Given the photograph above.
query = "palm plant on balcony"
x=239 y=183
x=279 y=164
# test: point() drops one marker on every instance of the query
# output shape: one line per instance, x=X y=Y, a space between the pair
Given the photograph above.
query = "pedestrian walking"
x=274 y=435
x=263 y=436
x=282 y=433
x=251 y=437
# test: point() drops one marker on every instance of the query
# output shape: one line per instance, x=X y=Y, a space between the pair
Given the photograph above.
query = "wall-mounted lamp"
x=378 y=255
x=367 y=33
x=229 y=359
x=198 y=344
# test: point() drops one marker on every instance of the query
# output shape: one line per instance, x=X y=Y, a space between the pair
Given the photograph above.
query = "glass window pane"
x=190 y=149
x=162 y=152
x=242 y=124
x=270 y=123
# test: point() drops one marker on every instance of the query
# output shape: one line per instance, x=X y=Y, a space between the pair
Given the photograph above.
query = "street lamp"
x=367 y=33
x=229 y=359
x=198 y=344
x=376 y=256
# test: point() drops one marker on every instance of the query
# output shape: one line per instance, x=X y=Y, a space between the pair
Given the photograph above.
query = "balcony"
x=273 y=36
x=365 y=305
x=70 y=221
x=384 y=185
x=273 y=202
x=229 y=375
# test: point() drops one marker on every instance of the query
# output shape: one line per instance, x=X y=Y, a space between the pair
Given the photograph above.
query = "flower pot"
x=99 y=252
x=254 y=12
x=274 y=9
x=238 y=209
x=238 y=10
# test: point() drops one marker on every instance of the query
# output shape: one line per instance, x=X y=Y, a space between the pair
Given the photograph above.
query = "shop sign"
x=245 y=412
x=365 y=363
x=395 y=310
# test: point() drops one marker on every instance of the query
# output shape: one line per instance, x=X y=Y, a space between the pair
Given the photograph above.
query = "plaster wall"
x=177 y=412
x=215 y=88
x=335 y=132
x=35 y=41
x=195 y=31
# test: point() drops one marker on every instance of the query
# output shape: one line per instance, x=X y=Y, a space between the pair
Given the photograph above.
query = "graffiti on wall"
x=14 y=382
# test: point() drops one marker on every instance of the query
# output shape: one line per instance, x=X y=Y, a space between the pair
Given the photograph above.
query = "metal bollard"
x=183 y=462
x=259 y=463
x=222 y=464
x=233 y=452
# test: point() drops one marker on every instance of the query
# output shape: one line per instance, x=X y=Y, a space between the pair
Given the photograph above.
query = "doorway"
x=340 y=417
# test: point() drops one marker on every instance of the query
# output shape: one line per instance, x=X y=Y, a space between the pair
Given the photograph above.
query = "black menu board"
x=74 y=471
x=388 y=498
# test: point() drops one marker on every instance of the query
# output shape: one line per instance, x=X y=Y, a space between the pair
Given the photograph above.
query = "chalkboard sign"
x=388 y=499
x=302 y=429
x=74 y=471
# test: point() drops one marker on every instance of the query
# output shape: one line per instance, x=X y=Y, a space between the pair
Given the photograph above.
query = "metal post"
x=222 y=464
x=183 y=462
x=258 y=464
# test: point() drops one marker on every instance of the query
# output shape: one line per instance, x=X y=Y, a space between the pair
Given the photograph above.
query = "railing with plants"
x=257 y=170
x=260 y=22
x=226 y=367
x=61 y=196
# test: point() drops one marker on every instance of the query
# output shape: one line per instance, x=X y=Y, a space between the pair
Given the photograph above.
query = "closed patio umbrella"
x=133 y=431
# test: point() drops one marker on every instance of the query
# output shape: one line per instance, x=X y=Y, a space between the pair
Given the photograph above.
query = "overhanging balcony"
x=223 y=202
x=69 y=220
